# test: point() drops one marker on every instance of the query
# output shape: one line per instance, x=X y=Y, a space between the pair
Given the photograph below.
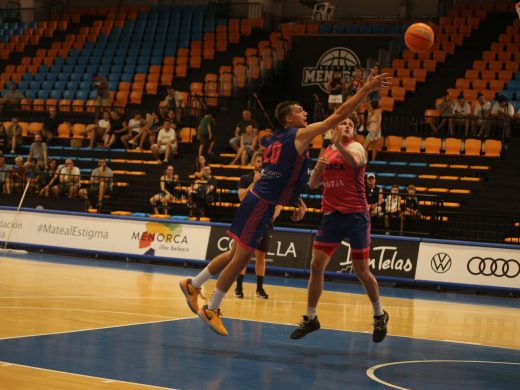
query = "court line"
x=371 y=371
x=101 y=379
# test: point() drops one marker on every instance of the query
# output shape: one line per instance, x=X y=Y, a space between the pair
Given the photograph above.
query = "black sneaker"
x=239 y=293
x=380 y=327
x=305 y=326
x=262 y=294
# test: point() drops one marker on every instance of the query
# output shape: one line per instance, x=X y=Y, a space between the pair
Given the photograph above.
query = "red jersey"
x=343 y=185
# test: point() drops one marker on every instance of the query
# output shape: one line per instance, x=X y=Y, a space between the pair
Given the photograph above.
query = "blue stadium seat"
x=129 y=69
x=27 y=77
x=85 y=85
x=82 y=61
x=81 y=95
x=91 y=69
x=64 y=76
x=156 y=60
x=30 y=94
x=23 y=85
x=72 y=85
x=508 y=94
x=55 y=69
x=79 y=68
x=59 y=85
x=43 y=94
x=142 y=68
x=67 y=68
x=35 y=85
x=92 y=95
x=104 y=69
x=59 y=61
x=55 y=95
x=326 y=28
x=76 y=76
x=127 y=77
x=513 y=85
x=47 y=85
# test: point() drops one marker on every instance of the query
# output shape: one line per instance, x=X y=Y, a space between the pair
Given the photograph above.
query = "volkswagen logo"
x=441 y=263
x=487 y=266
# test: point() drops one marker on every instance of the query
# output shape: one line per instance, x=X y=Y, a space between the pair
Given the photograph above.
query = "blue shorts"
x=251 y=222
x=336 y=226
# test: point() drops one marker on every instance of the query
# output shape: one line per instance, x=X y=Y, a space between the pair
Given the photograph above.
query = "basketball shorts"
x=251 y=222
x=336 y=226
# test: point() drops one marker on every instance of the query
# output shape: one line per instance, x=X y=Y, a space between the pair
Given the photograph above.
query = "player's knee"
x=318 y=266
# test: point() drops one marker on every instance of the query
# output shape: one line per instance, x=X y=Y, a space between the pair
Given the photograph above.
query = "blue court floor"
x=184 y=354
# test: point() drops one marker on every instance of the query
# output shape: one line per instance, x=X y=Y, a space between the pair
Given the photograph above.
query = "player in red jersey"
x=341 y=170
x=284 y=175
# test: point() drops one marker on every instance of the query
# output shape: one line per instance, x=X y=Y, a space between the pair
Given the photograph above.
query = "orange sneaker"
x=212 y=318
x=191 y=293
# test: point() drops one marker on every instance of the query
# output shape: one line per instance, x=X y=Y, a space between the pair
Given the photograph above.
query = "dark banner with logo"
x=313 y=59
x=392 y=258
x=288 y=249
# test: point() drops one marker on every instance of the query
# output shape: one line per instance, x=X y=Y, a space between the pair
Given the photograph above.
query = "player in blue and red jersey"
x=284 y=175
x=341 y=170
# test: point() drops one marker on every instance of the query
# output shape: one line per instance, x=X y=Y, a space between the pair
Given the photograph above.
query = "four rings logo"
x=493 y=267
x=336 y=58
x=441 y=263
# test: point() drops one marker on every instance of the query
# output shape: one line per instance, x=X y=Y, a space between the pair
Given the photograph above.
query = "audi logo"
x=493 y=267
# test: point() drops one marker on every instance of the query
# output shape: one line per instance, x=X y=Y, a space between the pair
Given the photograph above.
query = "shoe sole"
x=187 y=295
x=301 y=337
x=202 y=315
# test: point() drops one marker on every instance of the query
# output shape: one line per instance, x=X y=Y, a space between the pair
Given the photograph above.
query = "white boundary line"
x=371 y=371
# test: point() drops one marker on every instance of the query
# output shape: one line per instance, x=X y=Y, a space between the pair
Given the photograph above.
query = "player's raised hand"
x=375 y=82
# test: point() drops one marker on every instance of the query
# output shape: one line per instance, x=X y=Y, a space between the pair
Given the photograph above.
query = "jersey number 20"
x=272 y=153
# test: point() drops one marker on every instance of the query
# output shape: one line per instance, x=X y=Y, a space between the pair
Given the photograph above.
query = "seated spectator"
x=4 y=176
x=118 y=127
x=11 y=99
x=101 y=131
x=151 y=129
x=248 y=142
x=38 y=151
x=174 y=102
x=460 y=115
x=392 y=206
x=374 y=196
x=4 y=140
x=375 y=115
x=14 y=135
x=445 y=109
x=265 y=140
x=166 y=143
x=241 y=129
x=481 y=112
x=202 y=193
x=17 y=176
x=47 y=177
x=50 y=125
x=135 y=128
x=169 y=180
x=502 y=112
x=205 y=134
x=32 y=175
x=69 y=178
x=100 y=184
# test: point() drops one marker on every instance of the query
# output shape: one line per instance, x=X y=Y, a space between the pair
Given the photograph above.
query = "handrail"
x=262 y=108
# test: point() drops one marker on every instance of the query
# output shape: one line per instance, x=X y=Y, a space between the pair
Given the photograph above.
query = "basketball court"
x=72 y=323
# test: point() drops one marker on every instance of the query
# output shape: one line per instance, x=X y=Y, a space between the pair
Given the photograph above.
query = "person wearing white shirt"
x=166 y=142
x=481 y=112
x=461 y=112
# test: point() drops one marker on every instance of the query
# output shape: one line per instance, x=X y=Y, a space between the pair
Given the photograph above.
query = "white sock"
x=311 y=313
x=201 y=278
x=216 y=299
x=378 y=309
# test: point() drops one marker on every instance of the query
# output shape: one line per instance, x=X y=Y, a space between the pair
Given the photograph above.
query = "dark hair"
x=256 y=155
x=283 y=109
x=374 y=103
x=501 y=99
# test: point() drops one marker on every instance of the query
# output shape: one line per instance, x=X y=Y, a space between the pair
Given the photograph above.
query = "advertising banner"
x=288 y=249
x=392 y=258
x=475 y=265
x=149 y=238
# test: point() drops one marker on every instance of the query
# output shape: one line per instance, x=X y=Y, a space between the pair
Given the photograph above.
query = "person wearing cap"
x=460 y=115
x=503 y=113
x=14 y=135
x=481 y=112
x=374 y=196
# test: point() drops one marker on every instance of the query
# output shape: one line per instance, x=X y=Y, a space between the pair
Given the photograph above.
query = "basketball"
x=419 y=37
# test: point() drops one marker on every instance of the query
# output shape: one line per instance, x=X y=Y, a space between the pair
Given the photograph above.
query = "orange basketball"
x=419 y=37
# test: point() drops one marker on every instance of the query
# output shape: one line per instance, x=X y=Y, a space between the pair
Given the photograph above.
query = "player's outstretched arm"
x=307 y=134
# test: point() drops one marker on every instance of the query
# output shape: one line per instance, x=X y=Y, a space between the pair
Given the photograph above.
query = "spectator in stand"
x=335 y=88
x=38 y=151
x=202 y=193
x=118 y=126
x=166 y=143
x=50 y=125
x=445 y=109
x=392 y=206
x=356 y=82
x=17 y=176
x=199 y=164
x=410 y=206
x=14 y=135
x=32 y=175
x=68 y=180
x=265 y=140
x=103 y=95
x=47 y=178
x=375 y=115
x=11 y=99
x=4 y=176
x=101 y=131
x=502 y=113
x=460 y=115
x=481 y=112
x=374 y=196
x=205 y=134
x=248 y=143
x=174 y=102
x=135 y=128
x=100 y=184
x=241 y=129
x=4 y=140
x=169 y=180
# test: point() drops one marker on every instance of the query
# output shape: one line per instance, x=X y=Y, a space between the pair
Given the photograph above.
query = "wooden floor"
x=38 y=297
